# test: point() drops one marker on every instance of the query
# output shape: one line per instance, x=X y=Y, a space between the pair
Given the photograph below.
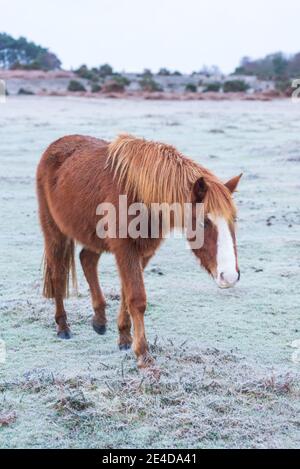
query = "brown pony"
x=76 y=173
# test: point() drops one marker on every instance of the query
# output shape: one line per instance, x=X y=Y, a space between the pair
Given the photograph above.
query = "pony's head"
x=154 y=172
x=218 y=254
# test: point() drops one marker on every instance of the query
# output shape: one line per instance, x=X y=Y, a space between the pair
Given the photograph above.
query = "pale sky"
x=134 y=34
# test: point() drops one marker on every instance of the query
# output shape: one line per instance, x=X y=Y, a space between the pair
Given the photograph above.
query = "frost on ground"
x=229 y=360
x=205 y=398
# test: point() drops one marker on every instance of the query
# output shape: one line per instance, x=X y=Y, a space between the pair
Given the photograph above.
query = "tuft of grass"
x=72 y=401
x=269 y=385
x=7 y=418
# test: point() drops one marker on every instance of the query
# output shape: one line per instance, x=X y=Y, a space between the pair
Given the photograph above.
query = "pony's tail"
x=65 y=262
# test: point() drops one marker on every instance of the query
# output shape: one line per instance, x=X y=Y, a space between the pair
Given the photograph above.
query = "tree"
x=148 y=84
x=121 y=80
x=280 y=65
x=164 y=72
x=20 y=53
x=47 y=61
x=271 y=67
x=84 y=72
x=147 y=73
x=105 y=70
x=293 y=67
x=208 y=71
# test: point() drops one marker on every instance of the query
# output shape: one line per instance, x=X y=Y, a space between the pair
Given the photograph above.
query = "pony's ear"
x=199 y=190
x=233 y=183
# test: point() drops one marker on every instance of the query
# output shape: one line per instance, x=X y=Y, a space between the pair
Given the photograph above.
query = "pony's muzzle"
x=228 y=280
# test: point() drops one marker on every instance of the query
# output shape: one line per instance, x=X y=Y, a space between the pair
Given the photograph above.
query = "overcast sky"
x=134 y=34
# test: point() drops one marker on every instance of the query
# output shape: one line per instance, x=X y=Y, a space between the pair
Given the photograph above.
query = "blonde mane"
x=155 y=172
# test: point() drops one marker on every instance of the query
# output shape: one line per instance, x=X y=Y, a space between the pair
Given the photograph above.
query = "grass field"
x=229 y=376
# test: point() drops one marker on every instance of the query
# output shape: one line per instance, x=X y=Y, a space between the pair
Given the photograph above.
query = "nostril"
x=222 y=276
x=239 y=274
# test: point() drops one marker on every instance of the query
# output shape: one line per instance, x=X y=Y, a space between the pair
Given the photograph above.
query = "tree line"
x=23 y=54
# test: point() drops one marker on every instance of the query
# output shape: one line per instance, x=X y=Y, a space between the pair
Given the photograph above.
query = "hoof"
x=65 y=334
x=145 y=361
x=100 y=329
x=124 y=346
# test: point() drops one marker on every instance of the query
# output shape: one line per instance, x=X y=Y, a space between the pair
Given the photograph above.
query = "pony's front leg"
x=131 y=273
x=124 y=320
x=124 y=325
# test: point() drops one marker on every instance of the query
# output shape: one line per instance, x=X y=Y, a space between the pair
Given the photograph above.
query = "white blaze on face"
x=227 y=274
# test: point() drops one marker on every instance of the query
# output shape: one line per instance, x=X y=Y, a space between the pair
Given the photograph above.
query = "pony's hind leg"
x=57 y=258
x=89 y=261
x=58 y=262
x=59 y=255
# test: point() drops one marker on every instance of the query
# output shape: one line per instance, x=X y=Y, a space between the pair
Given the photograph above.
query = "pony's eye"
x=235 y=220
x=204 y=223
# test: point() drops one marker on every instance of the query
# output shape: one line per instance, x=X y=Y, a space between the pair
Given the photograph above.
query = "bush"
x=148 y=84
x=112 y=86
x=95 y=88
x=235 y=86
x=215 y=86
x=75 y=85
x=191 y=87
x=24 y=91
